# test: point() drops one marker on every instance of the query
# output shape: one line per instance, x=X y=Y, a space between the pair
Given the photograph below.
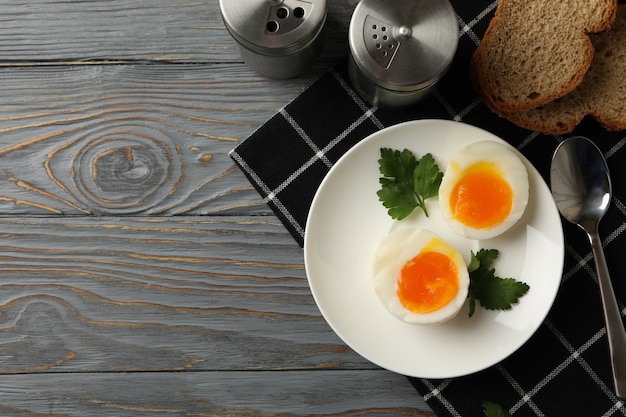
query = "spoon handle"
x=612 y=317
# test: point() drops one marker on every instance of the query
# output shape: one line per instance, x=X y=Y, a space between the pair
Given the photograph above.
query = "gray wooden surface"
x=140 y=273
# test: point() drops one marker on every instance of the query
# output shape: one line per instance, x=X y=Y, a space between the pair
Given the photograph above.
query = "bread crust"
x=601 y=95
x=529 y=57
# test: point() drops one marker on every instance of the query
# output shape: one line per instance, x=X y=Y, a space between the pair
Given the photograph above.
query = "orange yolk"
x=482 y=198
x=428 y=282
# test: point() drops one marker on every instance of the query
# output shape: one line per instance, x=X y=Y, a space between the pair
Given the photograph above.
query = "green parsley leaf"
x=492 y=409
x=484 y=259
x=492 y=292
x=407 y=182
x=426 y=180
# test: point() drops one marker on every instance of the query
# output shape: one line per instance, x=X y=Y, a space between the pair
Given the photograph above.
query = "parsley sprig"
x=492 y=409
x=407 y=182
x=492 y=292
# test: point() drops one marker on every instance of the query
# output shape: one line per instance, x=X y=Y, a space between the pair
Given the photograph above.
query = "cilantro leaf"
x=492 y=409
x=492 y=292
x=406 y=182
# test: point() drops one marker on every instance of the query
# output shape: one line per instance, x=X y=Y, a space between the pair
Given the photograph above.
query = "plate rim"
x=386 y=131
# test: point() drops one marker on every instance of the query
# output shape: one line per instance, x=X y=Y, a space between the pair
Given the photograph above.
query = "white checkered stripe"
x=318 y=154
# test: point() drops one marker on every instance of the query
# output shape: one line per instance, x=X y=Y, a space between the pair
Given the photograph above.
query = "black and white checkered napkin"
x=564 y=369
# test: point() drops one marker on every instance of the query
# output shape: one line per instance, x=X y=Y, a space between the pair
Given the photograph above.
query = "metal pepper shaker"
x=400 y=49
x=276 y=38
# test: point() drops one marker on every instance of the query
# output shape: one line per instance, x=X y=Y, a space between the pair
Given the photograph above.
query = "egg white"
x=514 y=172
x=393 y=252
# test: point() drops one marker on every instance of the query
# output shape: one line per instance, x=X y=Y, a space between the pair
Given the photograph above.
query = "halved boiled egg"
x=484 y=190
x=418 y=277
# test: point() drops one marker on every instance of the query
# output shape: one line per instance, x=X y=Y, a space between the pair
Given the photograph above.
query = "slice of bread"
x=535 y=51
x=602 y=93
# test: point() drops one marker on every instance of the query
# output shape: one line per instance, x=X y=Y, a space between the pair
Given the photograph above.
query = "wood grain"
x=113 y=294
x=218 y=394
x=86 y=32
x=140 y=272
x=130 y=139
x=223 y=302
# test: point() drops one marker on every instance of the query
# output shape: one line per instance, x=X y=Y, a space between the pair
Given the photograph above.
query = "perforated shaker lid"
x=274 y=27
x=404 y=45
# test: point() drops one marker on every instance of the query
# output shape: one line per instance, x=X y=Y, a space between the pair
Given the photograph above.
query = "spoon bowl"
x=580 y=182
x=581 y=188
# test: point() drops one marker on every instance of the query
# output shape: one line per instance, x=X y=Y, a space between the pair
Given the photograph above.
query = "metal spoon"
x=581 y=187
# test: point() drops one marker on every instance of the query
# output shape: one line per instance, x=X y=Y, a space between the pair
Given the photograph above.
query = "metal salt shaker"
x=400 y=49
x=276 y=38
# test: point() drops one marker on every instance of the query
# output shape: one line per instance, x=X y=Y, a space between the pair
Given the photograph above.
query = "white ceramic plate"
x=346 y=221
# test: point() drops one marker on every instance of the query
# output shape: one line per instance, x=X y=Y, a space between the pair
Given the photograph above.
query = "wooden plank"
x=295 y=393
x=95 y=310
x=154 y=294
x=40 y=32
x=145 y=139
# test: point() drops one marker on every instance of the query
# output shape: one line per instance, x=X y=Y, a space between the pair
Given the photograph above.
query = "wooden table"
x=140 y=273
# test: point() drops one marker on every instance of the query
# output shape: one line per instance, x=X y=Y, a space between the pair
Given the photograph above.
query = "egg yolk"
x=482 y=198
x=428 y=282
